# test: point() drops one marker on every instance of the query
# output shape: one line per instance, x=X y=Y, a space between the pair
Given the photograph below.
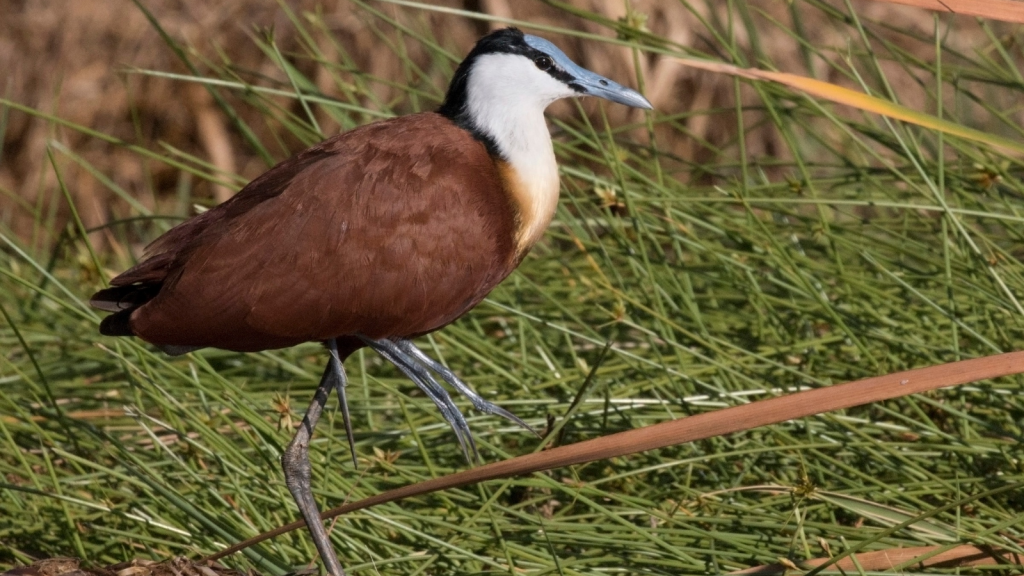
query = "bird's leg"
x=422 y=378
x=297 y=470
x=337 y=369
x=448 y=376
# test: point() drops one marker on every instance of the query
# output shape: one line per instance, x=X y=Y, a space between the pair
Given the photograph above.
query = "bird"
x=371 y=238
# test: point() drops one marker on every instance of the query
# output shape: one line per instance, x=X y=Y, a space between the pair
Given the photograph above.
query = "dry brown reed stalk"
x=882 y=560
x=214 y=136
x=698 y=427
x=1005 y=10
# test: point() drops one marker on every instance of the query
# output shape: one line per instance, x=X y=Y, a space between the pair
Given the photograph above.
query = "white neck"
x=506 y=98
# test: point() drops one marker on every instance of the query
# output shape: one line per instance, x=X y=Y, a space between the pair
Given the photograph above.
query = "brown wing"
x=390 y=230
x=163 y=256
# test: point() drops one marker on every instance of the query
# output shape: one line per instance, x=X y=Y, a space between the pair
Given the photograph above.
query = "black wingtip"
x=119 y=298
x=117 y=324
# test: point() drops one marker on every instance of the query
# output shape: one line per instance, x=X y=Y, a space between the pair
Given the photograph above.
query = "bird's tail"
x=122 y=300
x=117 y=324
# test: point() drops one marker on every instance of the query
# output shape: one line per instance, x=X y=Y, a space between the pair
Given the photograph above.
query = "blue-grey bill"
x=587 y=82
x=597 y=85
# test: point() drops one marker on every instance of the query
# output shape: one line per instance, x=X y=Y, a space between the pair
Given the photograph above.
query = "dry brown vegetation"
x=73 y=59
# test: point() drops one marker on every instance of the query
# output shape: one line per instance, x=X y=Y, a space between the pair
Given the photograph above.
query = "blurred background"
x=81 y=61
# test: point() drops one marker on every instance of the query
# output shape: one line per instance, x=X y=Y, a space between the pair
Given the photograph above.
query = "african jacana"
x=371 y=238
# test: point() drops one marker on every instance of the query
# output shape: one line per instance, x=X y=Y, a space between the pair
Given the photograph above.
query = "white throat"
x=506 y=95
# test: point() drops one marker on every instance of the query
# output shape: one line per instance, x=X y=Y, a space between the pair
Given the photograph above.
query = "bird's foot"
x=448 y=376
x=415 y=364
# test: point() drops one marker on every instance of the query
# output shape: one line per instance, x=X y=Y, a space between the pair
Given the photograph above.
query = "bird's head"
x=509 y=73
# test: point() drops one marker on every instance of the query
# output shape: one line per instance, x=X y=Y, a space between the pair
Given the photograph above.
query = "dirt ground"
x=172 y=567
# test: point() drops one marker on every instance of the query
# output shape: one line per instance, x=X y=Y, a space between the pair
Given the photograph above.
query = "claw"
x=337 y=371
x=422 y=378
x=448 y=376
x=414 y=364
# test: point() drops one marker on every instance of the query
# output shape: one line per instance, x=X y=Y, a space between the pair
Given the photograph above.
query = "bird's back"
x=393 y=229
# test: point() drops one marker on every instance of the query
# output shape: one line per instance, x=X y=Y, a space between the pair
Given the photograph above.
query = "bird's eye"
x=543 y=62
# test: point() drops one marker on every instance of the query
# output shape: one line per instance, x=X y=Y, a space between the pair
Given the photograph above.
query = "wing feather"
x=394 y=229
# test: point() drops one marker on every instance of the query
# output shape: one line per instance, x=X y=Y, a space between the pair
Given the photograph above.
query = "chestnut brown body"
x=391 y=230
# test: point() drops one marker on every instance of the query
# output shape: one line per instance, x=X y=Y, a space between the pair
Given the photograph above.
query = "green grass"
x=861 y=247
